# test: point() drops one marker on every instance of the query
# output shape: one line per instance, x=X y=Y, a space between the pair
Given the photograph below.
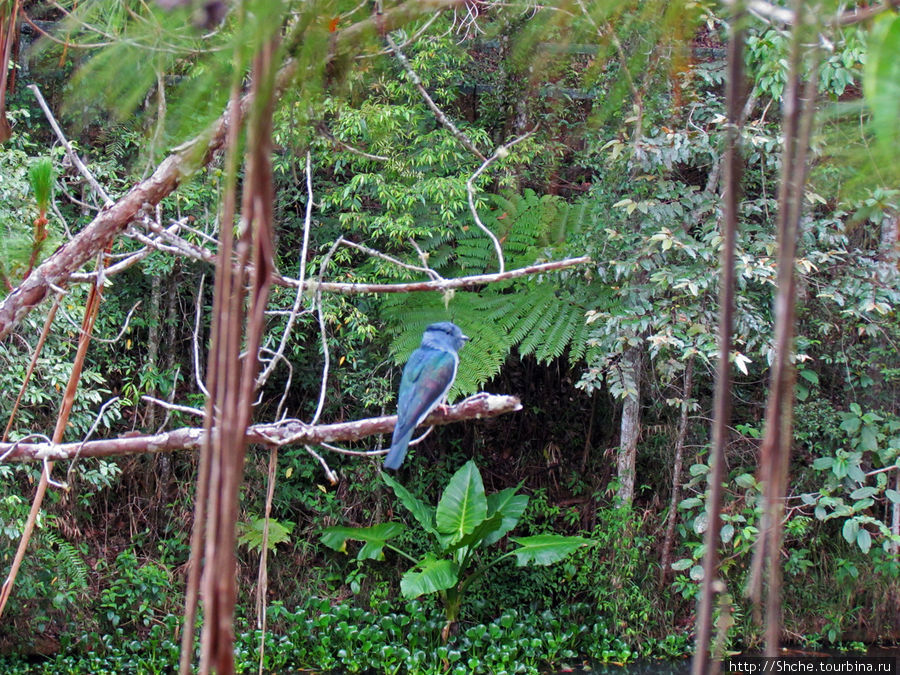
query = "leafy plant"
x=251 y=534
x=139 y=593
x=465 y=520
x=848 y=492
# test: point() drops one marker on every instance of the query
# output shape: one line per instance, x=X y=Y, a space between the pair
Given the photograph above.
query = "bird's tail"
x=397 y=453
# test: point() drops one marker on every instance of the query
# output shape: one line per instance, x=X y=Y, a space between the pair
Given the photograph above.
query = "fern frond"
x=559 y=336
x=540 y=301
x=68 y=559
x=540 y=316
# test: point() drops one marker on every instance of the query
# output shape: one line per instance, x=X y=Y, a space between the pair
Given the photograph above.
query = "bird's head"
x=445 y=335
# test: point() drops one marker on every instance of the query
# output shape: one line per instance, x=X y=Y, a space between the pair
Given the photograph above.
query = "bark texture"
x=630 y=428
x=291 y=432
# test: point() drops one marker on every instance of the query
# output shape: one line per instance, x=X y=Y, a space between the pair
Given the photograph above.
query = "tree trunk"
x=152 y=363
x=630 y=428
x=665 y=559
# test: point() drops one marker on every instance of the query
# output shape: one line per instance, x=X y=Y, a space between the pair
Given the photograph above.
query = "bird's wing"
x=426 y=380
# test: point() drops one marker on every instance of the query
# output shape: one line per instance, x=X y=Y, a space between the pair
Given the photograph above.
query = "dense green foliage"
x=631 y=181
x=384 y=638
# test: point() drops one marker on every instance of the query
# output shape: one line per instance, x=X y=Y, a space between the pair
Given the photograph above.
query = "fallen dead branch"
x=289 y=432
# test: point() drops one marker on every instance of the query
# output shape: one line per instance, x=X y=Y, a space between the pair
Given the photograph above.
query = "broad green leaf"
x=863 y=504
x=881 y=82
x=463 y=505
x=839 y=510
x=863 y=492
x=856 y=473
x=868 y=438
x=690 y=503
x=251 y=535
x=701 y=522
x=421 y=511
x=745 y=480
x=433 y=575
x=851 y=423
x=822 y=463
x=681 y=565
x=546 y=549
x=864 y=540
x=696 y=573
x=487 y=528
x=809 y=376
x=893 y=495
x=510 y=506
x=727 y=533
x=850 y=530
x=374 y=538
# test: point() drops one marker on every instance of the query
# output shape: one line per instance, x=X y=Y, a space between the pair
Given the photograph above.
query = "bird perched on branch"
x=426 y=380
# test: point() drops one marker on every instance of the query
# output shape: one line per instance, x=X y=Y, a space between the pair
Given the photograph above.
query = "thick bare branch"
x=289 y=432
x=109 y=222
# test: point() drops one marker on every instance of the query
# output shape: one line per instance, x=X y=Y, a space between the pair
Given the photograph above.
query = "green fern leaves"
x=541 y=317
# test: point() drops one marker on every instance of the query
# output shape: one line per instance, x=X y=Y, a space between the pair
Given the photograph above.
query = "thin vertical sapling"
x=40 y=176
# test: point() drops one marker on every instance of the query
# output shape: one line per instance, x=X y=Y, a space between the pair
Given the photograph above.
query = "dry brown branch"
x=731 y=164
x=799 y=107
x=288 y=432
x=238 y=323
x=207 y=480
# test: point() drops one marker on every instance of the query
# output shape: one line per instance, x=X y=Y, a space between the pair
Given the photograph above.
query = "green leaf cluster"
x=465 y=520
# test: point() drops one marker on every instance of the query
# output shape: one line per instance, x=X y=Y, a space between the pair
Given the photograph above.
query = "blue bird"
x=426 y=380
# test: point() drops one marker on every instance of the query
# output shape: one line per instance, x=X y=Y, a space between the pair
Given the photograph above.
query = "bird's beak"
x=465 y=338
